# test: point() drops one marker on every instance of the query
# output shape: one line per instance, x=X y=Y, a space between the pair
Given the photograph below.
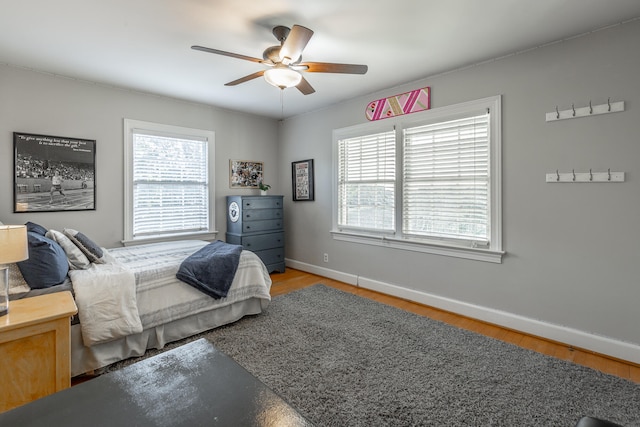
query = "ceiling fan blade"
x=222 y=52
x=328 y=67
x=305 y=87
x=294 y=44
x=246 y=78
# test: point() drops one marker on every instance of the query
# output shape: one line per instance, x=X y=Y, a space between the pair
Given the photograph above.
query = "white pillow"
x=77 y=259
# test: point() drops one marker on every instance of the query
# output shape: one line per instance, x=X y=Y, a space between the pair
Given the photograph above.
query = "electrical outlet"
x=326 y=257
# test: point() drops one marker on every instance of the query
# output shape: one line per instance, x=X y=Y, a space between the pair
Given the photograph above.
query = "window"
x=446 y=179
x=167 y=185
x=431 y=183
x=366 y=182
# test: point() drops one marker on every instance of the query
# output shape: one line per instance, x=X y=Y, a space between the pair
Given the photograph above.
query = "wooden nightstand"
x=35 y=348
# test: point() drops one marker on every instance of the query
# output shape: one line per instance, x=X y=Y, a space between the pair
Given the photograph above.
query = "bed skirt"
x=87 y=359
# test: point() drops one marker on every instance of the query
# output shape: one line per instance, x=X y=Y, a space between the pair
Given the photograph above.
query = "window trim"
x=494 y=252
x=131 y=125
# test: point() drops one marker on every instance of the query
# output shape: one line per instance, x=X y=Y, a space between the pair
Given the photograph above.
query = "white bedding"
x=106 y=298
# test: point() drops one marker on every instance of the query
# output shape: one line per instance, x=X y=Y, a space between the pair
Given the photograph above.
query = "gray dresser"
x=257 y=223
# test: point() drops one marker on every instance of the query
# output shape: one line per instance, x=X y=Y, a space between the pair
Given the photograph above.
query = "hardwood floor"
x=292 y=280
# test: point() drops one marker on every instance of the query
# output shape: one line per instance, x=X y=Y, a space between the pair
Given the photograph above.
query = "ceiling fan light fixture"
x=282 y=76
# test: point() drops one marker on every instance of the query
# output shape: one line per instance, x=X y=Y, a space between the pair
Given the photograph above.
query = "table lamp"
x=13 y=248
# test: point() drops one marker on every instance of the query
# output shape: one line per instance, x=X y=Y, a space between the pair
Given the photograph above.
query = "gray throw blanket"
x=212 y=268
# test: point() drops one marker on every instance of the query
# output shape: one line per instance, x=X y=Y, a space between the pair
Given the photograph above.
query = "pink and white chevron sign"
x=397 y=105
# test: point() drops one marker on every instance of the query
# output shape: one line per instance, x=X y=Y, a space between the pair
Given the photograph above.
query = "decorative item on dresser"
x=257 y=223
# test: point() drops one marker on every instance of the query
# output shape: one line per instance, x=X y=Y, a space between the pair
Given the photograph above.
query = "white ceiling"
x=144 y=45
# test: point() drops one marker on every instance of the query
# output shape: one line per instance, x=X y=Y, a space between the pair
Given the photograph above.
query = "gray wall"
x=572 y=249
x=43 y=104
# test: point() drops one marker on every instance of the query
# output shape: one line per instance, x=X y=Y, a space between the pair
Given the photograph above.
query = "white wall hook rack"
x=582 y=177
x=589 y=110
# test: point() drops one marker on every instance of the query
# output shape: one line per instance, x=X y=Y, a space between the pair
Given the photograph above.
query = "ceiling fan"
x=284 y=62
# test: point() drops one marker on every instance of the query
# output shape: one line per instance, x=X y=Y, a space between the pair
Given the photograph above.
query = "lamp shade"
x=282 y=76
x=13 y=243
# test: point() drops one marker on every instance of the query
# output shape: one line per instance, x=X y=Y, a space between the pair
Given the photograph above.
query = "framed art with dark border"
x=302 y=180
x=53 y=173
x=245 y=173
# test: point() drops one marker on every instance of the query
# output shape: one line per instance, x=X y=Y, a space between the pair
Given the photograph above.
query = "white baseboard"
x=569 y=336
x=350 y=279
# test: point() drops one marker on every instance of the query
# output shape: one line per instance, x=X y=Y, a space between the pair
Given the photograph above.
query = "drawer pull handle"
x=248 y=216
x=248 y=227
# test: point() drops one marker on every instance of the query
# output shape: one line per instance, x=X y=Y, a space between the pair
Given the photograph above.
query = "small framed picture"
x=245 y=173
x=53 y=173
x=302 y=180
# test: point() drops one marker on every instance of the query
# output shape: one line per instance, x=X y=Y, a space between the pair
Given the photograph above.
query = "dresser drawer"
x=265 y=225
x=262 y=203
x=263 y=241
x=258 y=214
x=271 y=256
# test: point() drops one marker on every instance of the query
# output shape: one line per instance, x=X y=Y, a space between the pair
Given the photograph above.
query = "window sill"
x=207 y=235
x=477 y=254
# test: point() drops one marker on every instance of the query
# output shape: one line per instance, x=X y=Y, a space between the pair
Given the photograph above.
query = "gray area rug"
x=344 y=360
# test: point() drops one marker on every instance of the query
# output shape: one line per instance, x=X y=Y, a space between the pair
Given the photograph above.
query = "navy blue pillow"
x=36 y=228
x=47 y=264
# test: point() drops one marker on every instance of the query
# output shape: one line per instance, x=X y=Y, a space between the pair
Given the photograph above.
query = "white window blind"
x=446 y=180
x=170 y=184
x=366 y=182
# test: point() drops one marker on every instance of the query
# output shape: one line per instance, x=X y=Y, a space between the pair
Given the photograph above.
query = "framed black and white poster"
x=302 y=180
x=53 y=173
x=245 y=173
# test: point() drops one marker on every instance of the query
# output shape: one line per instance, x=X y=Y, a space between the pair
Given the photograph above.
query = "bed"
x=170 y=309
x=139 y=284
